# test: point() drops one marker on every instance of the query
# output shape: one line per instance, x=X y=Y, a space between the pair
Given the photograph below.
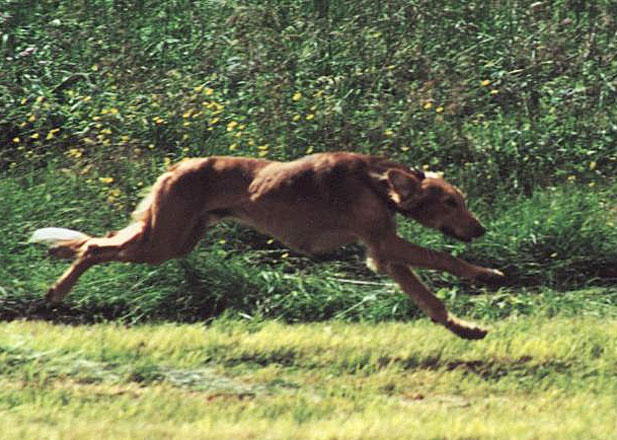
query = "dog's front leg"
x=399 y=251
x=430 y=304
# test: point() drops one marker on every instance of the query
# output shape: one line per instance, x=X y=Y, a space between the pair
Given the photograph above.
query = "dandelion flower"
x=428 y=105
x=106 y=180
x=208 y=91
x=297 y=96
x=486 y=83
x=35 y=136
x=439 y=109
x=310 y=116
x=52 y=133
x=16 y=140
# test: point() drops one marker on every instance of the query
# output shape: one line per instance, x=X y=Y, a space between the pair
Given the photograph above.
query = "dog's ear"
x=402 y=185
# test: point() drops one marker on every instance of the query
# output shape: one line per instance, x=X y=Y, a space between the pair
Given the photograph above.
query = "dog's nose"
x=479 y=230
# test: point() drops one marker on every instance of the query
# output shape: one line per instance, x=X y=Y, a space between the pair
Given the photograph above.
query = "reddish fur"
x=314 y=205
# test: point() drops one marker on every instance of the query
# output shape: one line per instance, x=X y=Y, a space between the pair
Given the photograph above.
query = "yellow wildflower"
x=75 y=152
x=106 y=180
x=297 y=96
x=208 y=91
x=486 y=83
x=428 y=105
x=310 y=116
x=16 y=140
x=439 y=109
x=35 y=136
x=231 y=125
x=52 y=133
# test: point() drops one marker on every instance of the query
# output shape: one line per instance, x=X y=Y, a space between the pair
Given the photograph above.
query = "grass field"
x=533 y=378
x=513 y=100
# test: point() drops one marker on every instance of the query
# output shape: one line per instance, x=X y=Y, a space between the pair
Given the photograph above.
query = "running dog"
x=313 y=205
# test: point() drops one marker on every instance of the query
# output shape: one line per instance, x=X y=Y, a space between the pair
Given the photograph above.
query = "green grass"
x=533 y=378
x=549 y=244
x=512 y=99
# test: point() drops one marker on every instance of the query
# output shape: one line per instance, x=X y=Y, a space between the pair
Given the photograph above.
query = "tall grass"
x=561 y=239
x=513 y=100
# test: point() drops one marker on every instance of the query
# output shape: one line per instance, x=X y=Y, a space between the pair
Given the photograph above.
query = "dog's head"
x=433 y=202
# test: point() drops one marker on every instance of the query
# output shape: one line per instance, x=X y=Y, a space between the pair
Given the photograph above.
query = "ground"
x=531 y=378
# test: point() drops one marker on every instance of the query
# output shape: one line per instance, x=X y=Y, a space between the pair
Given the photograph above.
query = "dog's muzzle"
x=474 y=232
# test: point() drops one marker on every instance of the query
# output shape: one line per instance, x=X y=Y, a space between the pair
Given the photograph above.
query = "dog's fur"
x=314 y=205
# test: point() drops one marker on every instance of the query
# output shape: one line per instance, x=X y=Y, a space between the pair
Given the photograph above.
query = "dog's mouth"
x=450 y=232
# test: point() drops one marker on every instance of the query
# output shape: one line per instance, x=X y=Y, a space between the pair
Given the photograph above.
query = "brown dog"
x=314 y=205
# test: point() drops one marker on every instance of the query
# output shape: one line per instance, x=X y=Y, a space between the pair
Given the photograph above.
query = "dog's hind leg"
x=119 y=246
x=430 y=304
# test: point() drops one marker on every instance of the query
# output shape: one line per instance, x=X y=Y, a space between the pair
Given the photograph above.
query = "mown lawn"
x=532 y=378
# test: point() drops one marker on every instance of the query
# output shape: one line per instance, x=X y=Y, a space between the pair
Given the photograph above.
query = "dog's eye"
x=451 y=202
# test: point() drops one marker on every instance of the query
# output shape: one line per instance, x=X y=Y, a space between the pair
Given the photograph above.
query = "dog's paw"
x=465 y=330
x=491 y=276
x=54 y=295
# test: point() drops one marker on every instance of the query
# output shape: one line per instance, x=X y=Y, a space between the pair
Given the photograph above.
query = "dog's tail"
x=54 y=236
x=65 y=243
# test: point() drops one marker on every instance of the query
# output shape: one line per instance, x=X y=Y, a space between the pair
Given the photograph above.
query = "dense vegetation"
x=514 y=100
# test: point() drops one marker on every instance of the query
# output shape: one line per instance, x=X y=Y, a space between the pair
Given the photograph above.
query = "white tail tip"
x=54 y=235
